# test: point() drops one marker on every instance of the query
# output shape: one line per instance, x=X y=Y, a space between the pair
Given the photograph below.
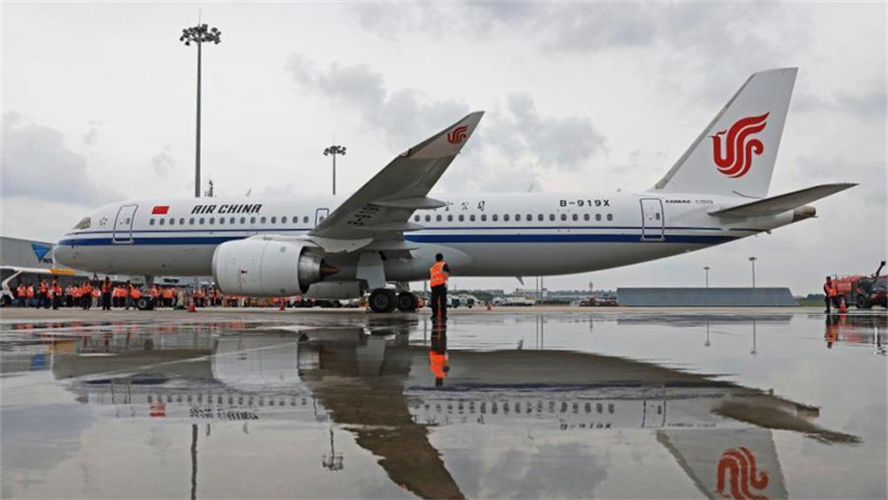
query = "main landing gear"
x=385 y=300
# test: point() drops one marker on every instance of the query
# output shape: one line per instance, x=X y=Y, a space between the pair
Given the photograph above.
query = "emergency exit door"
x=320 y=215
x=652 y=223
x=123 y=224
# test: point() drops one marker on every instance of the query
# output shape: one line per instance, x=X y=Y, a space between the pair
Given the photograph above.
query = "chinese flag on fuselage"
x=160 y=210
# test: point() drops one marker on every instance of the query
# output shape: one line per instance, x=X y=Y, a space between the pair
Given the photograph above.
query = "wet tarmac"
x=553 y=405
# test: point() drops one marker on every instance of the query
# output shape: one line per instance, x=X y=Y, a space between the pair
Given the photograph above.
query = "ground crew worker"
x=21 y=295
x=86 y=295
x=167 y=296
x=30 y=294
x=133 y=297
x=107 y=289
x=438 y=275
x=41 y=294
x=56 y=294
x=831 y=292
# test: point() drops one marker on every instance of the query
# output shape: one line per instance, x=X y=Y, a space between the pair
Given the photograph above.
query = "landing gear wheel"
x=144 y=304
x=863 y=303
x=382 y=300
x=407 y=302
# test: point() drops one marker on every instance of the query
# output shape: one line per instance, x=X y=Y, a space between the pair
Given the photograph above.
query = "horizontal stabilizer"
x=782 y=203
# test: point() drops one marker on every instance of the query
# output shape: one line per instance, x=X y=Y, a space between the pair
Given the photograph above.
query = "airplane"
x=386 y=234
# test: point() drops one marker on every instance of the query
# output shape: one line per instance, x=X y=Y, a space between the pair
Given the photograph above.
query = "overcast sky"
x=98 y=106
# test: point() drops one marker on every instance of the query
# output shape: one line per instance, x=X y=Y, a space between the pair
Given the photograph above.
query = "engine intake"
x=267 y=268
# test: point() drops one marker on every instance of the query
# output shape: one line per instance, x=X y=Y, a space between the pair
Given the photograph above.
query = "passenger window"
x=305 y=220
x=212 y=220
x=221 y=220
x=506 y=218
x=586 y=217
x=563 y=217
x=494 y=218
x=483 y=217
x=252 y=220
x=202 y=220
x=576 y=217
x=172 y=221
x=551 y=217
x=428 y=218
x=243 y=220
x=610 y=217
x=262 y=220
x=471 y=217
x=540 y=217
x=598 y=217
x=274 y=220
x=416 y=219
x=450 y=218
x=439 y=218
x=162 y=221
x=517 y=217
x=284 y=219
x=191 y=221
x=151 y=222
x=231 y=220
x=462 y=217
x=182 y=221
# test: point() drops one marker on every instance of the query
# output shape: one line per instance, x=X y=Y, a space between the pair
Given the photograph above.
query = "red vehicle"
x=864 y=291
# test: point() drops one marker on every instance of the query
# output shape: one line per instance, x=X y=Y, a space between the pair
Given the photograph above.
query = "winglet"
x=448 y=142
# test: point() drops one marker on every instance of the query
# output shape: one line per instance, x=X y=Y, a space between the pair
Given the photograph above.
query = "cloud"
x=92 y=135
x=865 y=104
x=36 y=164
x=163 y=162
x=515 y=141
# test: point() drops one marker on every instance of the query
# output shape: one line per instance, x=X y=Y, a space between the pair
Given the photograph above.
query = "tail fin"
x=735 y=154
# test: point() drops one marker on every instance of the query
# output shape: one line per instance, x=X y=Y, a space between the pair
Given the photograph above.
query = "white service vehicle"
x=390 y=229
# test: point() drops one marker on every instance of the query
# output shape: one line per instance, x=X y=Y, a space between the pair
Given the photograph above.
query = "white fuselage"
x=532 y=234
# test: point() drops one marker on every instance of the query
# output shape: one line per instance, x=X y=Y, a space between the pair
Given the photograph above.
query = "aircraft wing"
x=381 y=209
x=782 y=203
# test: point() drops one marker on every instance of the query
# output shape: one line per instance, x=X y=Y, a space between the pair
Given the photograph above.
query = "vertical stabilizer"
x=735 y=154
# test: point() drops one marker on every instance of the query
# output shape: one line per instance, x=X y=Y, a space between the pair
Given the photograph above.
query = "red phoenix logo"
x=739 y=464
x=458 y=134
x=735 y=158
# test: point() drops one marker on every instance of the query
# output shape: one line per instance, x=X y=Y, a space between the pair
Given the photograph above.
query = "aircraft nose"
x=62 y=254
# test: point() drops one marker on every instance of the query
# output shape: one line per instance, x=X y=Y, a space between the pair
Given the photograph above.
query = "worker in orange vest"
x=107 y=290
x=56 y=294
x=86 y=295
x=21 y=295
x=831 y=292
x=135 y=293
x=41 y=294
x=30 y=295
x=438 y=275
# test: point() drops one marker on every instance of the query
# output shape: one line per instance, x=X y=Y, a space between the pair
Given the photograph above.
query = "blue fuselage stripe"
x=426 y=238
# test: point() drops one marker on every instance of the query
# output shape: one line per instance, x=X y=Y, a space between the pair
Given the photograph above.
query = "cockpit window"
x=84 y=223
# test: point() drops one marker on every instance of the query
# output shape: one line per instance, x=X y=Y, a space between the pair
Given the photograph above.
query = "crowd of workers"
x=107 y=295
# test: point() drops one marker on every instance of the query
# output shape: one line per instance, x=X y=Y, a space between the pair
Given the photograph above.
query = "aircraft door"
x=320 y=215
x=652 y=219
x=123 y=224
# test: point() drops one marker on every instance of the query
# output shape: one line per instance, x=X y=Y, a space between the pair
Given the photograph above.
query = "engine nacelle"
x=267 y=268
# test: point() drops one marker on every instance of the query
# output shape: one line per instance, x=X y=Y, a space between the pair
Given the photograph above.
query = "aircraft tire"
x=407 y=302
x=382 y=300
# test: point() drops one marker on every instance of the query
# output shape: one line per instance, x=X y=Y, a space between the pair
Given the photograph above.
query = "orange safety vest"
x=106 y=287
x=21 y=292
x=30 y=291
x=437 y=274
x=42 y=287
x=830 y=289
x=135 y=293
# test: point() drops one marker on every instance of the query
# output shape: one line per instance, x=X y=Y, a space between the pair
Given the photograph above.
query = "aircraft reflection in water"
x=389 y=393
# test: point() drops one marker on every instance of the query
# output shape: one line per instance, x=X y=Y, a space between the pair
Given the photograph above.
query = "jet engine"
x=267 y=268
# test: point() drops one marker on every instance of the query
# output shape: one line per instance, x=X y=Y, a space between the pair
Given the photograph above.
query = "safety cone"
x=842 y=307
x=283 y=306
x=192 y=308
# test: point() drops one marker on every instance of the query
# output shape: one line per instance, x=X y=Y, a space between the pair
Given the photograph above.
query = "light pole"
x=199 y=34
x=334 y=150
x=706 y=268
x=752 y=260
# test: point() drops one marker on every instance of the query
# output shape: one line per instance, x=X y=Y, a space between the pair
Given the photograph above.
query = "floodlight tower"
x=199 y=35
x=334 y=150
x=752 y=260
